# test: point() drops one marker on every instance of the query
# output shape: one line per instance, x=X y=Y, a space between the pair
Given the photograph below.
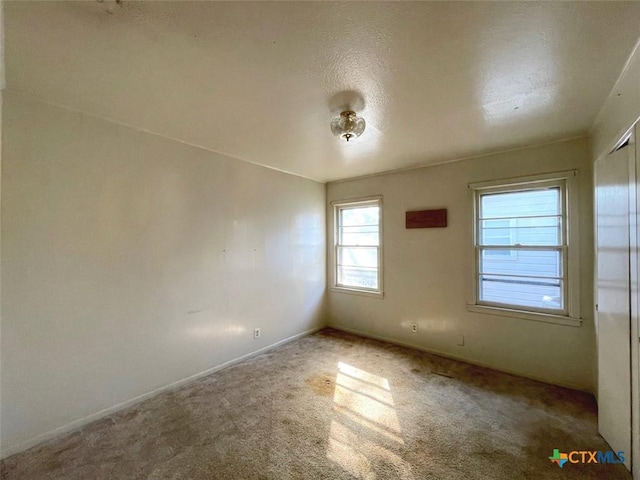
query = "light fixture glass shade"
x=348 y=125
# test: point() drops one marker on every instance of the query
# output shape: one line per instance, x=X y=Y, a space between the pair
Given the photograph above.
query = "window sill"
x=524 y=315
x=355 y=291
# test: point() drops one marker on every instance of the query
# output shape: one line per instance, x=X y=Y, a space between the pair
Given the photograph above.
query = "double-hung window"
x=525 y=249
x=357 y=245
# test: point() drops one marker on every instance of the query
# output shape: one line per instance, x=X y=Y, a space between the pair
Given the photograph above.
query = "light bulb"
x=348 y=125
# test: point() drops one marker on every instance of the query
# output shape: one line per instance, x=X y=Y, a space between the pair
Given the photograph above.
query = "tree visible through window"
x=357 y=245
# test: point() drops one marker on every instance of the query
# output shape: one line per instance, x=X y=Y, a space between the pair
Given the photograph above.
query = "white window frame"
x=336 y=206
x=567 y=181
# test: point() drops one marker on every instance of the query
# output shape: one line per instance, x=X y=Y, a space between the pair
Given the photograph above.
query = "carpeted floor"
x=335 y=406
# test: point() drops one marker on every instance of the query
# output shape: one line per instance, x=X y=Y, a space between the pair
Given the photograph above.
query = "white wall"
x=620 y=110
x=130 y=262
x=428 y=272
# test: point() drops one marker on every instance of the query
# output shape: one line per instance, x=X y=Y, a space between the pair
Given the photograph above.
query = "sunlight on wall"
x=365 y=431
x=216 y=331
x=306 y=244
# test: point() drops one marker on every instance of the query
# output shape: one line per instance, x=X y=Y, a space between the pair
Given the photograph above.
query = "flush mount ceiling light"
x=348 y=125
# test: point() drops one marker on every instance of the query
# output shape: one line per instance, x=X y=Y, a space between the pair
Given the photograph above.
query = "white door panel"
x=635 y=302
x=613 y=299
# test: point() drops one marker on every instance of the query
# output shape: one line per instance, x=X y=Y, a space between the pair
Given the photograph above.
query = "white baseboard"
x=573 y=386
x=74 y=425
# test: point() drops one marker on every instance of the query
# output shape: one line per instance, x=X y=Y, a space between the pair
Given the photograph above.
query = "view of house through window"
x=521 y=247
x=357 y=247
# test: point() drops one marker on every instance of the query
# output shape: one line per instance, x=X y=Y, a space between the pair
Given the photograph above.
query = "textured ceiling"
x=261 y=81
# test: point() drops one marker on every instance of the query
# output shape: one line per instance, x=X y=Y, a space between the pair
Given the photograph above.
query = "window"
x=523 y=258
x=357 y=255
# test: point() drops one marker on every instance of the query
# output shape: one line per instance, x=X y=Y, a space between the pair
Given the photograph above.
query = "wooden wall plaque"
x=427 y=218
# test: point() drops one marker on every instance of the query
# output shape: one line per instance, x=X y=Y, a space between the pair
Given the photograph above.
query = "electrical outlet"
x=461 y=341
x=414 y=327
x=256 y=333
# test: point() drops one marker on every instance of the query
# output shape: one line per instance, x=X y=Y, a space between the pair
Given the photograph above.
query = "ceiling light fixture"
x=348 y=125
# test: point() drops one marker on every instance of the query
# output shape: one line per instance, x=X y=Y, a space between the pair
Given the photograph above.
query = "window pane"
x=358 y=256
x=353 y=216
x=527 y=203
x=523 y=231
x=358 y=277
x=518 y=291
x=496 y=232
x=364 y=235
x=534 y=263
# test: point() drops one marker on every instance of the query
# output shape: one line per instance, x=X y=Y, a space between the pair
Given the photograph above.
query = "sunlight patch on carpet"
x=365 y=432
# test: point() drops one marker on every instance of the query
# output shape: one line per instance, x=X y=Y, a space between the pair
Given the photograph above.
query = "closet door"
x=613 y=300
x=634 y=190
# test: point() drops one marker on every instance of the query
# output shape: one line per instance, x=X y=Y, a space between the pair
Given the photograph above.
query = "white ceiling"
x=261 y=81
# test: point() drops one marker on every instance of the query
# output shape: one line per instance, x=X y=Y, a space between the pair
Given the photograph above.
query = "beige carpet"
x=335 y=406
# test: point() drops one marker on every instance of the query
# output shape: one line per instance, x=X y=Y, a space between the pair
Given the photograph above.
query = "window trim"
x=567 y=181
x=336 y=205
